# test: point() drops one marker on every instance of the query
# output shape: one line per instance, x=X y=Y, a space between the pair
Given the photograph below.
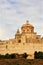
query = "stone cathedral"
x=25 y=41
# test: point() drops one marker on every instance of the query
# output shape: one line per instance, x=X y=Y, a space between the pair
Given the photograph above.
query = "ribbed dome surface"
x=27 y=24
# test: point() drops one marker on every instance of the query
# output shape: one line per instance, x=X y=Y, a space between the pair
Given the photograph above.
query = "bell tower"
x=18 y=36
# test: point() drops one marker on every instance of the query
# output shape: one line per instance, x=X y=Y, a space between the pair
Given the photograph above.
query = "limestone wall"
x=20 y=48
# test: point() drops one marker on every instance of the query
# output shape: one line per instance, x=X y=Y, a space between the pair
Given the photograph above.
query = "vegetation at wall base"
x=13 y=56
x=38 y=55
x=25 y=55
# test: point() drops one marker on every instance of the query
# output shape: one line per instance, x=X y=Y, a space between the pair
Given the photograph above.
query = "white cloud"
x=13 y=13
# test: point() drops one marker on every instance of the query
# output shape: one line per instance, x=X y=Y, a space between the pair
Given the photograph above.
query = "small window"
x=23 y=43
x=23 y=30
x=36 y=37
x=19 y=41
x=27 y=29
x=6 y=46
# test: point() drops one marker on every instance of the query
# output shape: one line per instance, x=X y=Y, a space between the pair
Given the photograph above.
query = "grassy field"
x=21 y=62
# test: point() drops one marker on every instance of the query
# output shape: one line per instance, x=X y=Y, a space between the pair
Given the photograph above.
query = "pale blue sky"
x=13 y=13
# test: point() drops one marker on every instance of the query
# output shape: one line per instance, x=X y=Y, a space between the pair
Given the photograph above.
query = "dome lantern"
x=27 y=22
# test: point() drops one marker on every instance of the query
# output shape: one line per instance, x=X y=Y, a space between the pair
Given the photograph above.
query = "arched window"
x=19 y=41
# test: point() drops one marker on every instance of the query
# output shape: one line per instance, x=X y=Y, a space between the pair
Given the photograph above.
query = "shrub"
x=7 y=56
x=13 y=56
x=24 y=55
x=38 y=55
x=1 y=56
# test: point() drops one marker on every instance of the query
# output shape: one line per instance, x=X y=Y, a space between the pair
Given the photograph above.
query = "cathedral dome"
x=27 y=24
x=27 y=27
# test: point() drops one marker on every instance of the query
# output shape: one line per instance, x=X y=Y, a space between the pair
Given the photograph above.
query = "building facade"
x=25 y=41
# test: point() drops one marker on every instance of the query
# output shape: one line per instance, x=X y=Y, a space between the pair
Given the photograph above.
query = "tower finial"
x=17 y=30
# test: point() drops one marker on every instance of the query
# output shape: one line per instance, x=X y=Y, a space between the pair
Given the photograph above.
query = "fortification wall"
x=20 y=48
